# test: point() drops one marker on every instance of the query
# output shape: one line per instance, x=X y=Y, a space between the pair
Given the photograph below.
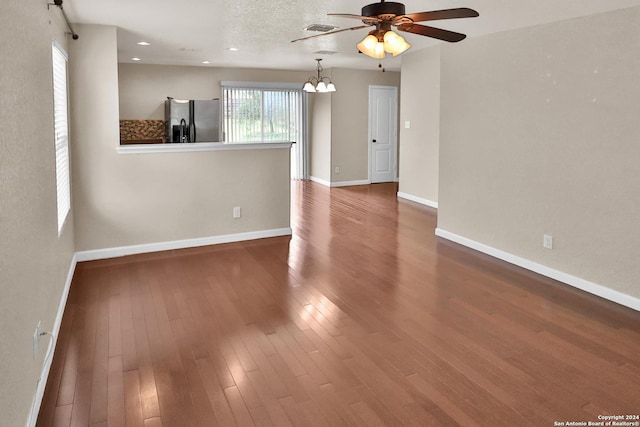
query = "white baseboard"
x=96 y=254
x=320 y=181
x=417 y=199
x=339 y=183
x=350 y=183
x=48 y=359
x=576 y=282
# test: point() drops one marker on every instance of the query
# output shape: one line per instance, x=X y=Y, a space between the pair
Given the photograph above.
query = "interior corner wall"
x=137 y=199
x=350 y=120
x=539 y=135
x=420 y=107
x=320 y=136
x=34 y=260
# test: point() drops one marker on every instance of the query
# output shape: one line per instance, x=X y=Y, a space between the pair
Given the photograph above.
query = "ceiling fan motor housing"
x=383 y=8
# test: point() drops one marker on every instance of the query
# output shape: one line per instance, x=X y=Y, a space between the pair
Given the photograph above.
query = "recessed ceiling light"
x=144 y=43
x=136 y=59
x=206 y=62
x=233 y=49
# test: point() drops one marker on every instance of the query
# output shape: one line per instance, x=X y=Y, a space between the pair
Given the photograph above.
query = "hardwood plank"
x=238 y=407
x=133 y=405
x=215 y=394
x=61 y=416
x=115 y=392
x=101 y=363
x=271 y=404
x=153 y=422
x=148 y=392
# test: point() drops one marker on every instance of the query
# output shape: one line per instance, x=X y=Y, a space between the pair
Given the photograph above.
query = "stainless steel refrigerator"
x=189 y=120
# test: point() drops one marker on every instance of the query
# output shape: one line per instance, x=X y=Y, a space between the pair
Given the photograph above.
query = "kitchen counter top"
x=198 y=146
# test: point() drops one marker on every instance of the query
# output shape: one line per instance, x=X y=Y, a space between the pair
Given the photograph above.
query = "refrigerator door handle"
x=192 y=121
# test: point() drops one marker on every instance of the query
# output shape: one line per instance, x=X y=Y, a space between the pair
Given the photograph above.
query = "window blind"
x=61 y=129
x=261 y=115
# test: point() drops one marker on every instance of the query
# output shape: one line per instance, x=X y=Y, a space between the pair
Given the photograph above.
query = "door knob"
x=374 y=140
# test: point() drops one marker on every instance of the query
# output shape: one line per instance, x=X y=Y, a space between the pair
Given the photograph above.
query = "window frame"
x=263 y=87
x=60 y=97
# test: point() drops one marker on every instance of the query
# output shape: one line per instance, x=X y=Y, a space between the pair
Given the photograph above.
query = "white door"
x=383 y=125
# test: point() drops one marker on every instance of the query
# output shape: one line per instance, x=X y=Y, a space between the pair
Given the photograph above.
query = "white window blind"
x=61 y=127
x=254 y=114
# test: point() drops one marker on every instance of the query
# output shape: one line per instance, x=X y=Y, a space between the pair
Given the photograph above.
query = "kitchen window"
x=255 y=113
x=266 y=112
x=61 y=128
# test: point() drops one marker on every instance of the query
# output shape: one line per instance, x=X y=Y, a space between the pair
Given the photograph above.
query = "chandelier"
x=317 y=84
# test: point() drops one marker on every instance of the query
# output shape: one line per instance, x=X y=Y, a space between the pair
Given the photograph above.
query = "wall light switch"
x=237 y=213
x=547 y=241
x=407 y=124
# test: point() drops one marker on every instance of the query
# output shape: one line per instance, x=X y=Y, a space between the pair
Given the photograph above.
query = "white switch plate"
x=407 y=124
x=547 y=241
x=237 y=212
x=337 y=169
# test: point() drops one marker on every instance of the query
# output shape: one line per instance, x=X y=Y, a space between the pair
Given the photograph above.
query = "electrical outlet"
x=36 y=340
x=237 y=212
x=547 y=241
x=337 y=169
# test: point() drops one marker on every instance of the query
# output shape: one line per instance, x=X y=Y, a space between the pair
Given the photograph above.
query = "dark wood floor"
x=362 y=318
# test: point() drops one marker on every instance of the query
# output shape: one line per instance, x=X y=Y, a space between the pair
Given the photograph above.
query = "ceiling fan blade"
x=349 y=15
x=434 y=15
x=332 y=32
x=436 y=33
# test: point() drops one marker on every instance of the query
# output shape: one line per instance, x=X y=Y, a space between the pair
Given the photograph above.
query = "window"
x=267 y=112
x=63 y=187
x=260 y=113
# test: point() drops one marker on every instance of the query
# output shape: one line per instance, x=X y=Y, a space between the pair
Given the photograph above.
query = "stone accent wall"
x=142 y=130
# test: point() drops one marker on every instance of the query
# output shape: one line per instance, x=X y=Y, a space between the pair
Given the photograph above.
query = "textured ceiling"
x=192 y=31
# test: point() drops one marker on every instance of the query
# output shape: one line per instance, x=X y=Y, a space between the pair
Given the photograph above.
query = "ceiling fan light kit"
x=385 y=15
x=317 y=83
x=379 y=42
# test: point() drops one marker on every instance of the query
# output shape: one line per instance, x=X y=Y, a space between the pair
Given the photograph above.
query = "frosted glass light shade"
x=370 y=46
x=308 y=87
x=321 y=87
x=331 y=87
x=394 y=43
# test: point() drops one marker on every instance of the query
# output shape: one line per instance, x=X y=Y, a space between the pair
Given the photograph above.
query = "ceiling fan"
x=385 y=15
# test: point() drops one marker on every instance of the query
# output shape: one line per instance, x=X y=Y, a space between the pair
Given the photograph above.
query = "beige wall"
x=350 y=120
x=143 y=88
x=148 y=198
x=320 y=136
x=34 y=261
x=539 y=134
x=420 y=105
